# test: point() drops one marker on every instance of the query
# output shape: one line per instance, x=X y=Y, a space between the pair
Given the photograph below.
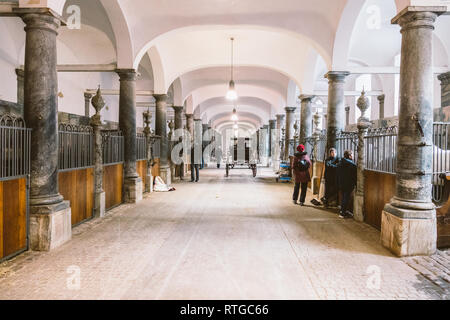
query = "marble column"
x=272 y=140
x=381 y=101
x=277 y=145
x=161 y=130
x=179 y=126
x=50 y=215
x=347 y=115
x=133 y=188
x=363 y=125
x=445 y=89
x=289 y=133
x=190 y=129
x=96 y=123
x=20 y=73
x=336 y=107
x=408 y=224
x=305 y=118
x=266 y=143
x=87 y=103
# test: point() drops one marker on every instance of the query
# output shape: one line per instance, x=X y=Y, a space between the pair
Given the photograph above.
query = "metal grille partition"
x=141 y=147
x=441 y=157
x=76 y=147
x=381 y=149
x=347 y=141
x=15 y=142
x=113 y=148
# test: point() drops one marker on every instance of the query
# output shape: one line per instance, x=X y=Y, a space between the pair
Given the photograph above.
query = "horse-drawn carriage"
x=241 y=153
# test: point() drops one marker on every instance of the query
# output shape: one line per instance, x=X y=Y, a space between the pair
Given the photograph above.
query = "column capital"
x=444 y=78
x=189 y=115
x=20 y=73
x=280 y=117
x=177 y=109
x=88 y=95
x=290 y=109
x=127 y=74
x=160 y=97
x=381 y=97
x=418 y=17
x=306 y=97
x=40 y=18
x=336 y=76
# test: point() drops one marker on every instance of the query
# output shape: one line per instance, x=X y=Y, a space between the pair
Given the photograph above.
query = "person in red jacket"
x=301 y=165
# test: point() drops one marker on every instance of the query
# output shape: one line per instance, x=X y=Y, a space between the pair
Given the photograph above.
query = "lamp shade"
x=231 y=94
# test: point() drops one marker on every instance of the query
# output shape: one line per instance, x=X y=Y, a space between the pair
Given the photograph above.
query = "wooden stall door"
x=141 y=168
x=13 y=217
x=379 y=189
x=77 y=186
x=113 y=184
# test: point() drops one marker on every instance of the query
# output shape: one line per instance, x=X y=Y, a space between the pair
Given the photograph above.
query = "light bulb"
x=231 y=94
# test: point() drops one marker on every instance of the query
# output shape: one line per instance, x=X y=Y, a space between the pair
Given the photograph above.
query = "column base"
x=149 y=183
x=358 y=207
x=50 y=226
x=132 y=190
x=99 y=204
x=406 y=235
x=166 y=175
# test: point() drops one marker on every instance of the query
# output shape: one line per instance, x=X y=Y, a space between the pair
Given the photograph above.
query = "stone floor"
x=222 y=238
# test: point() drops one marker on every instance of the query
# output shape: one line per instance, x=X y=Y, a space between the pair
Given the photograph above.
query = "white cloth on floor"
x=160 y=186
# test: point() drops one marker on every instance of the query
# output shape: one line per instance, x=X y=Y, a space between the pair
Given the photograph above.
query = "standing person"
x=346 y=181
x=331 y=187
x=194 y=166
x=301 y=164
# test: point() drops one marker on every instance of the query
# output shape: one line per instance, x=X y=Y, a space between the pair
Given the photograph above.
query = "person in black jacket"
x=346 y=181
x=331 y=187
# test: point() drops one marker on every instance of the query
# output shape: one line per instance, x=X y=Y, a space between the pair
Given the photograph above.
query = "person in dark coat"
x=331 y=187
x=346 y=181
x=300 y=165
x=194 y=166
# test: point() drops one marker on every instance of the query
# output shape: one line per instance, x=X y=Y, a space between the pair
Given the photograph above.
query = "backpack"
x=302 y=165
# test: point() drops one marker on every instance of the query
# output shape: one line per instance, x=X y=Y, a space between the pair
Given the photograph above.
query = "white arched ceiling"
x=204 y=47
x=242 y=75
x=272 y=97
x=257 y=106
x=316 y=20
x=226 y=124
x=178 y=93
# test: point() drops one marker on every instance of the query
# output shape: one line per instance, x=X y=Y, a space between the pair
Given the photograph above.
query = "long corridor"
x=221 y=238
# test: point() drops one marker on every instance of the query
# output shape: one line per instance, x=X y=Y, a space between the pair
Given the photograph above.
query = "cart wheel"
x=227 y=170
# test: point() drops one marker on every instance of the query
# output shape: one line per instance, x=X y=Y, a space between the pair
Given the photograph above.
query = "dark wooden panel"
x=141 y=168
x=113 y=184
x=379 y=189
x=77 y=186
x=14 y=216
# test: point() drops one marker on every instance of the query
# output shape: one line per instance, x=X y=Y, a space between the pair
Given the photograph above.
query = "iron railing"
x=141 y=147
x=347 y=141
x=113 y=147
x=76 y=147
x=441 y=158
x=15 y=143
x=381 y=149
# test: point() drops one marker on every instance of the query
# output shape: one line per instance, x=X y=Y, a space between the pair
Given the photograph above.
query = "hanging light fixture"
x=231 y=94
x=234 y=116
